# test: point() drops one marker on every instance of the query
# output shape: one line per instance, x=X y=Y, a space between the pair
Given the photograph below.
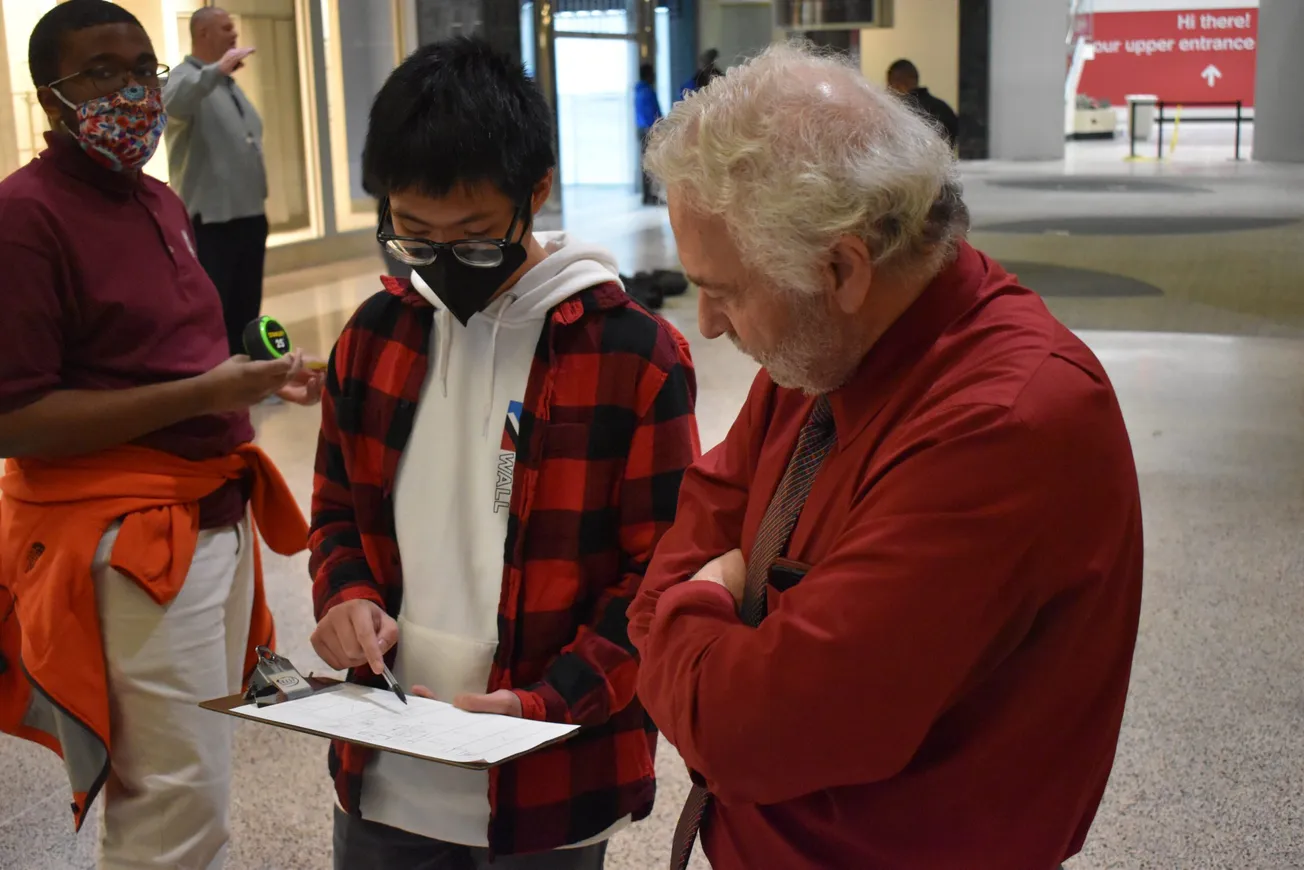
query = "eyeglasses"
x=107 y=78
x=478 y=253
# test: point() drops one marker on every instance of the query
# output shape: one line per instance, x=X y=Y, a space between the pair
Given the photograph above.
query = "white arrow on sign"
x=1211 y=74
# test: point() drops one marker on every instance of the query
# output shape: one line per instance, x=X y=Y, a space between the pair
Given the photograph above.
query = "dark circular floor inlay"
x=1050 y=280
x=1098 y=184
x=1135 y=225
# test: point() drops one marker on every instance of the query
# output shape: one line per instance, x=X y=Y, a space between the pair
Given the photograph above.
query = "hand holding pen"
x=356 y=633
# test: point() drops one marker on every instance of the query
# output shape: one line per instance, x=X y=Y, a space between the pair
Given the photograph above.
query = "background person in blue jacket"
x=647 y=111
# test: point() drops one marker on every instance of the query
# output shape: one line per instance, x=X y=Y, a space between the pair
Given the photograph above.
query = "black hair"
x=903 y=67
x=46 y=42
x=647 y=73
x=456 y=113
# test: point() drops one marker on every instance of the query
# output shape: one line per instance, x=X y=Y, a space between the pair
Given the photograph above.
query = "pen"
x=393 y=683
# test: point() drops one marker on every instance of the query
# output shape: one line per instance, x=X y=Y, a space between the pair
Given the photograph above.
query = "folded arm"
x=709 y=519
x=842 y=683
x=596 y=675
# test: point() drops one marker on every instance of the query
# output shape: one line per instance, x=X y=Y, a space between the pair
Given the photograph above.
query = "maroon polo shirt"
x=944 y=688
x=102 y=291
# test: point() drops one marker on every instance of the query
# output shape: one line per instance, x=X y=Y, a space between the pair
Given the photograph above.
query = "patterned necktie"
x=813 y=445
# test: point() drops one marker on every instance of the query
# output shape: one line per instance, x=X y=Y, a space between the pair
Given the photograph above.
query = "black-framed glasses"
x=107 y=78
x=478 y=253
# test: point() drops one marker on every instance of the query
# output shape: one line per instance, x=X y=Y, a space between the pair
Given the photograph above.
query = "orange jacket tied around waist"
x=53 y=513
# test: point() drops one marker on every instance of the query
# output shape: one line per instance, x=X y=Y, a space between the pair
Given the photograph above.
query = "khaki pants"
x=166 y=799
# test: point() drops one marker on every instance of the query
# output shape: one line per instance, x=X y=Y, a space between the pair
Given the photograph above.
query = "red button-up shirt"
x=944 y=688
x=102 y=291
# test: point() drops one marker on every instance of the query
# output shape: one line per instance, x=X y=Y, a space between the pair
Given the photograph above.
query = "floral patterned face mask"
x=120 y=131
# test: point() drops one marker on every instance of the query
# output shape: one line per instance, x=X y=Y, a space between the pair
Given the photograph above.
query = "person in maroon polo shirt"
x=114 y=336
x=893 y=624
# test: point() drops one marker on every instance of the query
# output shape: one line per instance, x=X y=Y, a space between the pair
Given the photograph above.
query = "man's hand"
x=729 y=570
x=353 y=634
x=306 y=386
x=233 y=60
x=240 y=382
x=503 y=702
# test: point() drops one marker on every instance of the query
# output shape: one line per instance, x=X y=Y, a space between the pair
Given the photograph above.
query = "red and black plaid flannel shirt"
x=605 y=436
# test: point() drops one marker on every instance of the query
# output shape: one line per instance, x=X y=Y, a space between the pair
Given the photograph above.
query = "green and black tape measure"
x=266 y=339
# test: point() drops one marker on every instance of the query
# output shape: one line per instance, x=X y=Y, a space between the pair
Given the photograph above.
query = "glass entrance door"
x=597 y=67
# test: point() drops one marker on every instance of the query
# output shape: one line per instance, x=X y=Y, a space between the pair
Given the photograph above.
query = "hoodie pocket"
x=447 y=664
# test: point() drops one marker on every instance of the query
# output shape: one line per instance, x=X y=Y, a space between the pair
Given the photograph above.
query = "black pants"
x=232 y=253
x=649 y=189
x=363 y=845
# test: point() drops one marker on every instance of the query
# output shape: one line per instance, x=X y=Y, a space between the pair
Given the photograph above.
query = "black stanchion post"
x=1159 y=132
x=1238 y=130
x=1131 y=129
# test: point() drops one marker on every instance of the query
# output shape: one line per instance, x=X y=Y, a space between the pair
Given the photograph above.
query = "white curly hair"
x=795 y=149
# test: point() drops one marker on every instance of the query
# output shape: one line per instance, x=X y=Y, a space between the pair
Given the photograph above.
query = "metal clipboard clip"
x=275 y=680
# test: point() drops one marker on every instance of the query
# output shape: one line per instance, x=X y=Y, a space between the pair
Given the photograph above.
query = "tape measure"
x=266 y=339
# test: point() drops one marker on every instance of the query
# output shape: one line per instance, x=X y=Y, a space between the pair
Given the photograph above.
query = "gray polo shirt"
x=215 y=144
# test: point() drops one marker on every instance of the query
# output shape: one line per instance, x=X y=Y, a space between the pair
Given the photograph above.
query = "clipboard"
x=242 y=708
x=382 y=720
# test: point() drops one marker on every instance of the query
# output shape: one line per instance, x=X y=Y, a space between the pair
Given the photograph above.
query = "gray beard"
x=816 y=357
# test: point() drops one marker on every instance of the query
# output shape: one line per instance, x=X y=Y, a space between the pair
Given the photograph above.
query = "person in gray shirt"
x=215 y=158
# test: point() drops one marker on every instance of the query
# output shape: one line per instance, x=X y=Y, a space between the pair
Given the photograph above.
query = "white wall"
x=739 y=30
x=1278 y=108
x=1028 y=65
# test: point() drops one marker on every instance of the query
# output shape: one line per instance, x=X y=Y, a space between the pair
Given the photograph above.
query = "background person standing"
x=215 y=157
x=707 y=72
x=903 y=77
x=647 y=111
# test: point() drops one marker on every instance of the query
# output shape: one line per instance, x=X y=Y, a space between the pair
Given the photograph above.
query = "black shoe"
x=670 y=283
x=643 y=290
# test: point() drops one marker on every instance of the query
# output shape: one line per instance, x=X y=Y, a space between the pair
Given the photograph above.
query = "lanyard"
x=230 y=86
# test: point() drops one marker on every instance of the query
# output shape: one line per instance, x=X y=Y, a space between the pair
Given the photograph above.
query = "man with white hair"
x=892 y=626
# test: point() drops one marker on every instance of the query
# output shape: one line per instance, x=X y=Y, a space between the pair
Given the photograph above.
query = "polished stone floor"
x=1209 y=365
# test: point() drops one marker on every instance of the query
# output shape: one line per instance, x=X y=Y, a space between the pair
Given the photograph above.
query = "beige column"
x=8 y=129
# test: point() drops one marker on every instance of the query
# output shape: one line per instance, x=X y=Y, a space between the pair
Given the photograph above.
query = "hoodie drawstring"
x=493 y=366
x=445 y=347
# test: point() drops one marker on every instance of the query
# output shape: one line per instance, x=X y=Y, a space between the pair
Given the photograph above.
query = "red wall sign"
x=1205 y=54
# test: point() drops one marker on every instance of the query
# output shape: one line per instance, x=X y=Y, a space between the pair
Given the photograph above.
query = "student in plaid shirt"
x=501 y=448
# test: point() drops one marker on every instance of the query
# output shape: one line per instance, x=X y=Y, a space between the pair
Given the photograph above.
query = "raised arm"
x=188 y=86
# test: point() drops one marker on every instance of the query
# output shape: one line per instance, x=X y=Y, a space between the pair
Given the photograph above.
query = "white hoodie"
x=451 y=503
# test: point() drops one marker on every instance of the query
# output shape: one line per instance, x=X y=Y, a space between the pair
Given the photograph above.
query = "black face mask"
x=467 y=290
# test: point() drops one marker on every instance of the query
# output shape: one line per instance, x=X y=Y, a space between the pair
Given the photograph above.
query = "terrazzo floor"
x=1210 y=764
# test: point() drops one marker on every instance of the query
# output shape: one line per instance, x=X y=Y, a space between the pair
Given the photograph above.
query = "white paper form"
x=425 y=728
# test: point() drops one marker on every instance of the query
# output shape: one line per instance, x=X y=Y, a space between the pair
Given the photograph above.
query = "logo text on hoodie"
x=507 y=458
